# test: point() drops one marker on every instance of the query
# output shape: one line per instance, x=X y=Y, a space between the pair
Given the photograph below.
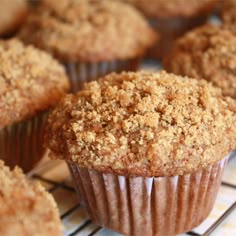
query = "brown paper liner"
x=148 y=206
x=21 y=143
x=171 y=29
x=85 y=72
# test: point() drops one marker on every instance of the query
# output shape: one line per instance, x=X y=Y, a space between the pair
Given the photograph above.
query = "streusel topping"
x=25 y=207
x=148 y=124
x=88 y=30
x=30 y=81
x=207 y=53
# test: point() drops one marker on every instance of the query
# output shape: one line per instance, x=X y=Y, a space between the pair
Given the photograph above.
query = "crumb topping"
x=148 y=124
x=88 y=30
x=25 y=207
x=12 y=15
x=208 y=52
x=30 y=81
x=172 y=8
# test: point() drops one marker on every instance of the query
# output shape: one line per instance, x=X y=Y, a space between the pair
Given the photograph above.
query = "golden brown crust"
x=208 y=52
x=173 y=8
x=25 y=207
x=148 y=124
x=88 y=30
x=228 y=12
x=12 y=14
x=30 y=81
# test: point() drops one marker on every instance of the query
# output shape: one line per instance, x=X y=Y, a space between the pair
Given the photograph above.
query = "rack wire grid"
x=55 y=177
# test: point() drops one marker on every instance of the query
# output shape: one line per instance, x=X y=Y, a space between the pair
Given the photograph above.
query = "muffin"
x=208 y=52
x=25 y=207
x=31 y=82
x=140 y=145
x=228 y=11
x=91 y=37
x=172 y=18
x=12 y=14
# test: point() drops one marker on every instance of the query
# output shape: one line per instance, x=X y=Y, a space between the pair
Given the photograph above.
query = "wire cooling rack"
x=54 y=175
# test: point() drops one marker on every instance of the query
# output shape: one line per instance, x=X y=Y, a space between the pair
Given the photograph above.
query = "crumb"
x=208 y=52
x=25 y=207
x=88 y=31
x=148 y=124
x=31 y=81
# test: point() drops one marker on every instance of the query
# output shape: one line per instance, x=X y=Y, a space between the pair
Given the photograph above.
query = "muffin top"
x=88 y=30
x=30 y=81
x=228 y=11
x=172 y=8
x=144 y=124
x=12 y=15
x=208 y=52
x=25 y=207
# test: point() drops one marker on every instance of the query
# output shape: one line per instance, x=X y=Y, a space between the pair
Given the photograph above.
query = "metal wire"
x=220 y=220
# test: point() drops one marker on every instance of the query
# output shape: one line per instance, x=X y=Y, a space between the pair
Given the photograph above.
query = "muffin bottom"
x=148 y=206
x=21 y=143
x=170 y=30
x=85 y=72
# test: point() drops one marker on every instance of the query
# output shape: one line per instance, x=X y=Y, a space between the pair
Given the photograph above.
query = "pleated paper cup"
x=148 y=206
x=170 y=30
x=79 y=72
x=21 y=143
